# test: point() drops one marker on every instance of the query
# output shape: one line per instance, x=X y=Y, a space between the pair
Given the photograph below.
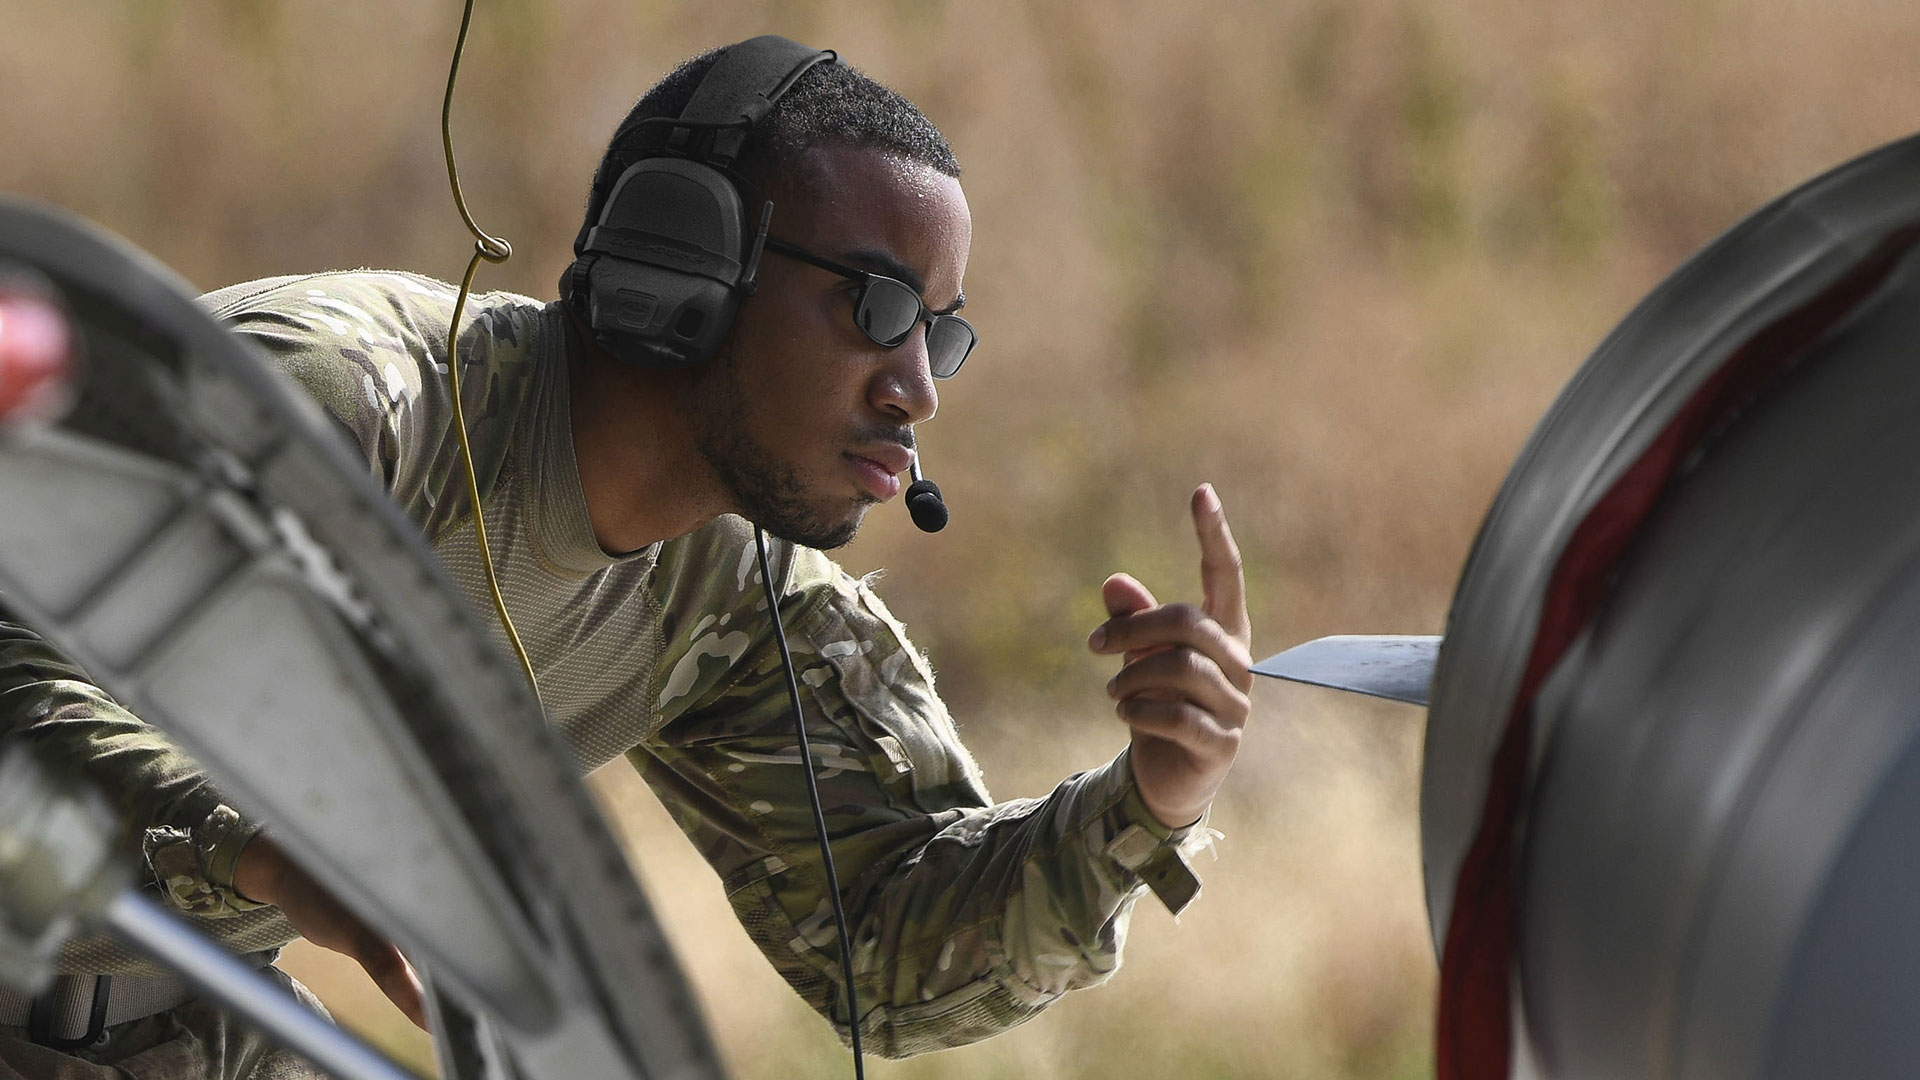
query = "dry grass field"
x=1334 y=255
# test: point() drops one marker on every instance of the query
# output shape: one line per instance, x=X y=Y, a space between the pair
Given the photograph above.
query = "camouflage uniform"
x=967 y=917
x=196 y=1041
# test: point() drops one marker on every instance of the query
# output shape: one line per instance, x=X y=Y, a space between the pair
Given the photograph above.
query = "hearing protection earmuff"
x=658 y=275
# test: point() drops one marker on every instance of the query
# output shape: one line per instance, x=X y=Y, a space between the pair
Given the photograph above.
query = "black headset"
x=658 y=276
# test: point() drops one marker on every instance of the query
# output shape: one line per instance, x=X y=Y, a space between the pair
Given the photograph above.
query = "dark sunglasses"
x=887 y=309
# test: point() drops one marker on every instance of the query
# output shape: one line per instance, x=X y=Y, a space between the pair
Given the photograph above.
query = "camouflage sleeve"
x=171 y=813
x=967 y=917
x=370 y=347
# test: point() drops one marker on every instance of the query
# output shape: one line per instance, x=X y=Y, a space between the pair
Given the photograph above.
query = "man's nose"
x=904 y=386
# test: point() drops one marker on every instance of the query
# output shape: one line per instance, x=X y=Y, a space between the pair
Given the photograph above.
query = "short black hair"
x=832 y=104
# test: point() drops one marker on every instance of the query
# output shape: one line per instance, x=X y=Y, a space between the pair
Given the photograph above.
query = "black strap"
x=40 y=1016
x=741 y=87
x=640 y=245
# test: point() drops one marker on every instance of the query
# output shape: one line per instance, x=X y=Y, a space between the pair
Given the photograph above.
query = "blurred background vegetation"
x=1334 y=255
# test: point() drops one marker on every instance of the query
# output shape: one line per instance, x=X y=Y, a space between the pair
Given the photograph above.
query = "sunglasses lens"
x=888 y=310
x=949 y=340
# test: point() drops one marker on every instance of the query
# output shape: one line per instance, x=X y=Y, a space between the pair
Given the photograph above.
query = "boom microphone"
x=923 y=501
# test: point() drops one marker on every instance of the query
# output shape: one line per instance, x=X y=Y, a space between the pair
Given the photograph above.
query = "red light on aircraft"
x=36 y=356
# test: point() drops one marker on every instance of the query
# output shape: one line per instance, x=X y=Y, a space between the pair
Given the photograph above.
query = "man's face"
x=804 y=418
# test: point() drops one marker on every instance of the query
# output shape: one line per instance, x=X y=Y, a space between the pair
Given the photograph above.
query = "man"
x=616 y=498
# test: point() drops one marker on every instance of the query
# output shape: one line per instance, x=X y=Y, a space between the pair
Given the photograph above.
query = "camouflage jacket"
x=967 y=917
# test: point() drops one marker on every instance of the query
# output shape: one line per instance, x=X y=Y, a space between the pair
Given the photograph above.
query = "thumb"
x=1124 y=595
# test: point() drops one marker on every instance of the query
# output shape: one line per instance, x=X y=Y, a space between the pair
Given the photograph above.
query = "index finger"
x=1221 y=581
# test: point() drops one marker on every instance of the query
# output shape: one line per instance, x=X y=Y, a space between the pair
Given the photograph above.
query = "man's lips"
x=878 y=469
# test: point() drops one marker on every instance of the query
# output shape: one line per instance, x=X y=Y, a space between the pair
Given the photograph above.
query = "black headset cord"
x=494 y=249
x=813 y=795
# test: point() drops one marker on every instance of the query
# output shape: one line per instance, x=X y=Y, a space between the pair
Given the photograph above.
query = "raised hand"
x=1184 y=681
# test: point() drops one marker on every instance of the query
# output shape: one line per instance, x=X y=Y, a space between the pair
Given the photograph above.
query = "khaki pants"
x=194 y=1041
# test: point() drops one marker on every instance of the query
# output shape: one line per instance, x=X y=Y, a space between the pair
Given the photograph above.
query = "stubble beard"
x=767 y=491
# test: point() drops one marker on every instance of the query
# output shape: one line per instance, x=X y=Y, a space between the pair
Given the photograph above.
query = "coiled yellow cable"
x=493 y=249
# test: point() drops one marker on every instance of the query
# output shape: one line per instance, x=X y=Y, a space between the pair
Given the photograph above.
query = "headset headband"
x=738 y=90
x=741 y=88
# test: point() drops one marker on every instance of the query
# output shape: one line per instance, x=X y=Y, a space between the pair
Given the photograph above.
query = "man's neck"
x=643 y=479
